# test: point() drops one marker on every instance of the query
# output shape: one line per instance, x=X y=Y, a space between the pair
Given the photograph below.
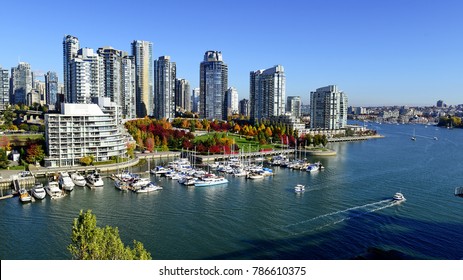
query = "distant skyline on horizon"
x=388 y=53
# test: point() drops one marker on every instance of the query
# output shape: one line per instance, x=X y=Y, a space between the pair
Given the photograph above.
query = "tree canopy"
x=90 y=242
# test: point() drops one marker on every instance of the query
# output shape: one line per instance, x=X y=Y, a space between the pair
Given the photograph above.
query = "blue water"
x=345 y=211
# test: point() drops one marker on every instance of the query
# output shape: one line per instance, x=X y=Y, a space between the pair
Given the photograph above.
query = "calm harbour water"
x=345 y=209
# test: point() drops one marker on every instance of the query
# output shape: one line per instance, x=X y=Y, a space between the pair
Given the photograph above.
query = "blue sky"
x=395 y=52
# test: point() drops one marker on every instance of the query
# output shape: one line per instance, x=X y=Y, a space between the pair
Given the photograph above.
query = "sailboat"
x=413 y=137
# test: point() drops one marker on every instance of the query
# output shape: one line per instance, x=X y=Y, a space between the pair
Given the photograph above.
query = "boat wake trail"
x=333 y=218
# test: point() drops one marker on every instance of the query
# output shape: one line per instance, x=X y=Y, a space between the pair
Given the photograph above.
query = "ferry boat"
x=94 y=180
x=38 y=191
x=24 y=196
x=78 y=180
x=53 y=190
x=65 y=181
x=398 y=197
x=211 y=181
x=299 y=188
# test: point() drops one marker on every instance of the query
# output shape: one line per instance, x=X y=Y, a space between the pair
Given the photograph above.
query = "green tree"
x=90 y=242
x=3 y=159
x=87 y=160
x=8 y=116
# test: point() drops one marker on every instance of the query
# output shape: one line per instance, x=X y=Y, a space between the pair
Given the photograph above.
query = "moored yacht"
x=149 y=188
x=211 y=181
x=78 y=179
x=94 y=180
x=24 y=196
x=38 y=191
x=65 y=181
x=53 y=190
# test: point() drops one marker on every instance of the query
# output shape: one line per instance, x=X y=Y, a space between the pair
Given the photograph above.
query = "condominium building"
x=143 y=53
x=4 y=88
x=128 y=87
x=164 y=88
x=213 y=83
x=51 y=89
x=182 y=95
x=70 y=48
x=328 y=108
x=267 y=93
x=87 y=76
x=232 y=101
x=293 y=105
x=82 y=130
x=21 y=83
x=112 y=74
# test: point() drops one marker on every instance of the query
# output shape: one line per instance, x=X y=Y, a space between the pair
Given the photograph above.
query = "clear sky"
x=389 y=52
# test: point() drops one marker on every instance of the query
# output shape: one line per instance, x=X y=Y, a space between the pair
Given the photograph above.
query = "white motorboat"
x=313 y=167
x=299 y=188
x=211 y=181
x=139 y=182
x=38 y=191
x=24 y=196
x=149 y=188
x=65 y=181
x=94 y=180
x=53 y=190
x=78 y=179
x=255 y=176
x=159 y=170
x=398 y=197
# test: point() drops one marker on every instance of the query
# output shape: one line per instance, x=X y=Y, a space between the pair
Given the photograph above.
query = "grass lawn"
x=244 y=144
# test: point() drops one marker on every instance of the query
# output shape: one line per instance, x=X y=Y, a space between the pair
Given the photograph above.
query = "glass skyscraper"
x=267 y=93
x=213 y=84
x=4 y=88
x=21 y=82
x=164 y=88
x=51 y=88
x=143 y=53
x=328 y=108
x=70 y=48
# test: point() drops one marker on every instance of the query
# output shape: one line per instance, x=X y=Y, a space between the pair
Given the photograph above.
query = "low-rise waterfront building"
x=82 y=130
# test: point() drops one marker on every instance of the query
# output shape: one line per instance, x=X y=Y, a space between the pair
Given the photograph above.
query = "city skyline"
x=379 y=53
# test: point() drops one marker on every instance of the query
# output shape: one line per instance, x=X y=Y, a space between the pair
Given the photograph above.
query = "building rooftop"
x=72 y=109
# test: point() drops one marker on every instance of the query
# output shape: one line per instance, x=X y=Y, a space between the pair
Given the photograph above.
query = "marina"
x=345 y=208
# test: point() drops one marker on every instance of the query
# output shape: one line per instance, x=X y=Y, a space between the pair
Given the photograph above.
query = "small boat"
x=38 y=191
x=148 y=188
x=94 y=180
x=53 y=190
x=299 y=188
x=65 y=181
x=313 y=167
x=78 y=179
x=24 y=196
x=435 y=138
x=459 y=191
x=255 y=176
x=413 y=137
x=159 y=170
x=398 y=197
